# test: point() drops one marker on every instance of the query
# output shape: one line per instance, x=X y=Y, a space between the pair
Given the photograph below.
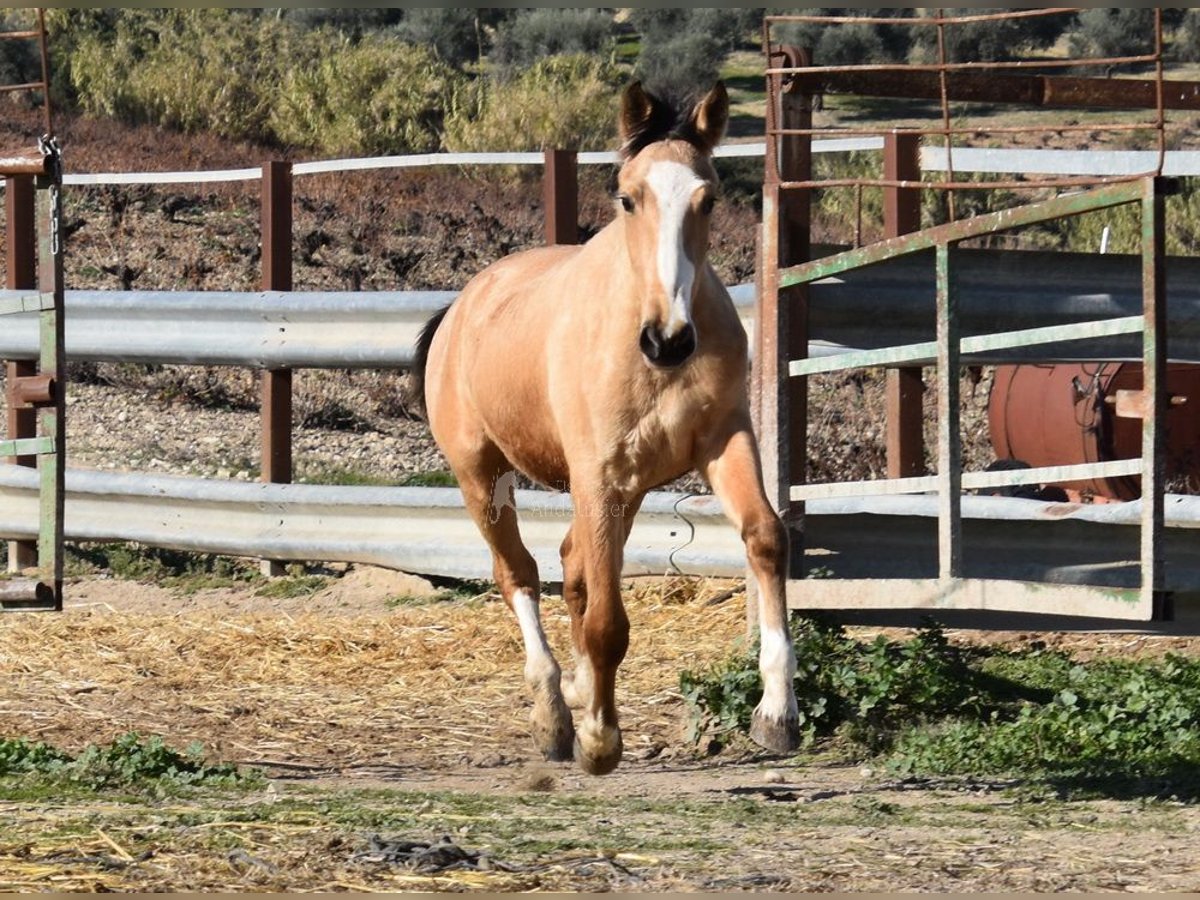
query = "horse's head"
x=665 y=192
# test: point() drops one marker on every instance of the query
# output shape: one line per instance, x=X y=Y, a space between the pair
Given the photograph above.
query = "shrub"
x=680 y=69
x=536 y=34
x=380 y=95
x=20 y=62
x=186 y=69
x=1185 y=43
x=561 y=102
x=991 y=41
x=839 y=45
x=455 y=35
x=682 y=49
x=1105 y=32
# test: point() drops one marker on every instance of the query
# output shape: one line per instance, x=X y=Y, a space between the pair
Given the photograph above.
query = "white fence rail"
x=965 y=159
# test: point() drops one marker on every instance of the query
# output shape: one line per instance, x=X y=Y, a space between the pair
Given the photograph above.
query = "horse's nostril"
x=667 y=352
x=651 y=343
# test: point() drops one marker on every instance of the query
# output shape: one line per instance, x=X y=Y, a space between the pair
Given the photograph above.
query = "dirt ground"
x=379 y=706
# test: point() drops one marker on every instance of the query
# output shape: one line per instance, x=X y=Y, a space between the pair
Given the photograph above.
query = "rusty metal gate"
x=36 y=391
x=949 y=570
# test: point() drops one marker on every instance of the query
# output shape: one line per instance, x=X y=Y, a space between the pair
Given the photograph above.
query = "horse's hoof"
x=776 y=735
x=601 y=763
x=555 y=740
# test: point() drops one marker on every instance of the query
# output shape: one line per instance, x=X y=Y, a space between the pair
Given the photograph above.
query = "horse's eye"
x=706 y=205
x=626 y=202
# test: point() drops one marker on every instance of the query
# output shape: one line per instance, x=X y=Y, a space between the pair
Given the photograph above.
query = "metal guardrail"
x=262 y=329
x=423 y=530
x=427 y=530
x=310 y=329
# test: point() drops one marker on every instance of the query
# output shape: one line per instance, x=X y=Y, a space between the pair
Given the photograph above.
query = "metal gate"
x=942 y=557
x=36 y=392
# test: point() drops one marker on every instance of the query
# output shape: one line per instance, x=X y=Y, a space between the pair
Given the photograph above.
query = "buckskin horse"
x=609 y=369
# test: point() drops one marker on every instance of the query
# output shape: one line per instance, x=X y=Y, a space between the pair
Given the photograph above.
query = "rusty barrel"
x=1058 y=414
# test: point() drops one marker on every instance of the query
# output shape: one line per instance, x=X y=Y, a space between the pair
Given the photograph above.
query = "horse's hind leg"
x=487 y=486
x=733 y=469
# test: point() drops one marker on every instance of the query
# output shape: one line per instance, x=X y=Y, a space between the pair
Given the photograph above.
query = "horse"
x=607 y=369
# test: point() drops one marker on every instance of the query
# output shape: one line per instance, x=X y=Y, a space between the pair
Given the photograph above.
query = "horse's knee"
x=766 y=544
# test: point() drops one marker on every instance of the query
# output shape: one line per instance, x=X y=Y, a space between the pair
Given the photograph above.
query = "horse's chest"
x=659 y=443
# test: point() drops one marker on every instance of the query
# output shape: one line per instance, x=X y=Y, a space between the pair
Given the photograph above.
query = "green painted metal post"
x=21 y=254
x=52 y=363
x=1154 y=395
x=949 y=472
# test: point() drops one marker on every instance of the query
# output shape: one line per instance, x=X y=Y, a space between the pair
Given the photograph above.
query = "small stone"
x=866 y=771
x=773 y=776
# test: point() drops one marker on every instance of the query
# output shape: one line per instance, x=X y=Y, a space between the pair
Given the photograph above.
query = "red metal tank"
x=1065 y=414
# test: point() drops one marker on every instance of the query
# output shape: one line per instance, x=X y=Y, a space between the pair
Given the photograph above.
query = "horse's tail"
x=416 y=377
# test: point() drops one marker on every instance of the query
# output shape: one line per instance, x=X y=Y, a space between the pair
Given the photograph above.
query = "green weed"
x=927 y=706
x=130 y=762
x=175 y=569
x=293 y=586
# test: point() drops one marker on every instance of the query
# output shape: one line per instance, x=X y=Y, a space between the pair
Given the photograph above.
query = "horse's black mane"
x=666 y=121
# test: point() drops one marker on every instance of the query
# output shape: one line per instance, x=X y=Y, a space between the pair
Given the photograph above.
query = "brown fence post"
x=560 y=196
x=277 y=276
x=904 y=386
x=20 y=241
x=781 y=316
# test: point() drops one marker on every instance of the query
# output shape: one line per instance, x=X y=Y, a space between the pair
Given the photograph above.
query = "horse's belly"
x=540 y=458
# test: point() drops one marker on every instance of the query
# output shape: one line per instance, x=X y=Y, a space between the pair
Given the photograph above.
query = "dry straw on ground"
x=406 y=687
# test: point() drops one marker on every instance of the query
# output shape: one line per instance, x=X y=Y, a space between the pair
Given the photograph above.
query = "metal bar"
x=974 y=594
x=1154 y=388
x=27 y=596
x=976 y=66
x=949 y=472
x=26 y=304
x=965 y=85
x=19 y=35
x=795 y=245
x=973 y=481
x=560 y=197
x=44 y=53
x=21 y=256
x=885 y=356
x=52 y=363
x=879 y=487
x=919 y=20
x=904 y=387
x=1058 y=207
x=21 y=447
x=276 y=384
x=29 y=86
x=1053 y=334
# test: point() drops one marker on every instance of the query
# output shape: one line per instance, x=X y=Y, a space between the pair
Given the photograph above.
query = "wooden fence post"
x=277 y=276
x=904 y=385
x=560 y=196
x=20 y=241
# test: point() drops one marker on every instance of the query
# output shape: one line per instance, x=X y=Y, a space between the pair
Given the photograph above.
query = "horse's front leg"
x=600 y=627
x=732 y=467
x=487 y=489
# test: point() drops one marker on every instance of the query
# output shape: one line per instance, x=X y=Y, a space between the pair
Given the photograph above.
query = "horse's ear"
x=706 y=124
x=644 y=119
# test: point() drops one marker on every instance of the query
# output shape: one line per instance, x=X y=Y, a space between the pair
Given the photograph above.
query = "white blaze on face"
x=673 y=185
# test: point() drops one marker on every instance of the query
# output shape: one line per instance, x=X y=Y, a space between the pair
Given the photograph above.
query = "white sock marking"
x=540 y=666
x=777 y=662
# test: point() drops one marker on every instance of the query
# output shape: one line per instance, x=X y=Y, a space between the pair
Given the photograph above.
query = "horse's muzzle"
x=667 y=352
